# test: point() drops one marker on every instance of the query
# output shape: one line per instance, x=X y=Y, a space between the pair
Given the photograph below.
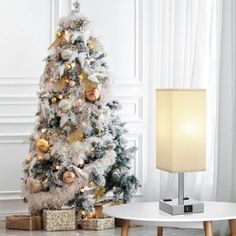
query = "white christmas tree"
x=78 y=154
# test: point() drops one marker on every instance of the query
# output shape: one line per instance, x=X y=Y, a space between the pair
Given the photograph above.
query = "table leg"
x=208 y=228
x=159 y=231
x=232 y=226
x=125 y=228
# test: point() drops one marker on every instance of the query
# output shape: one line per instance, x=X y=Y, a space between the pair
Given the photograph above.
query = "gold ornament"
x=94 y=44
x=43 y=145
x=60 y=39
x=83 y=76
x=59 y=85
x=53 y=100
x=75 y=136
x=58 y=34
x=34 y=185
x=68 y=177
x=68 y=66
x=82 y=190
x=99 y=192
x=92 y=94
x=39 y=158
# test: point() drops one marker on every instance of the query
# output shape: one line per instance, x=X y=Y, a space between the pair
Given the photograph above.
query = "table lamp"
x=181 y=141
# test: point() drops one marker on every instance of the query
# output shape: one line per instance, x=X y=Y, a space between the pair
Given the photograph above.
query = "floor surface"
x=138 y=231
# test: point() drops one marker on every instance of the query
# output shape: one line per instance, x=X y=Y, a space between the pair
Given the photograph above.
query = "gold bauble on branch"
x=68 y=177
x=53 y=100
x=34 y=185
x=58 y=34
x=42 y=145
x=92 y=94
x=68 y=66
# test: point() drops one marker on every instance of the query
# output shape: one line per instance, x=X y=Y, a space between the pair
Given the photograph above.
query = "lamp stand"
x=181 y=188
x=183 y=204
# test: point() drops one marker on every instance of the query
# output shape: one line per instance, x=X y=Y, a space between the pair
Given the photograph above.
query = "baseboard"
x=3 y=214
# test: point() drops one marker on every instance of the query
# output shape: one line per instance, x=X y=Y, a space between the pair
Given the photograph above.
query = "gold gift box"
x=59 y=220
x=97 y=223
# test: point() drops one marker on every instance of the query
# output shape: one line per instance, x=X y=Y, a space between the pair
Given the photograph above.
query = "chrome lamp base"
x=182 y=205
x=172 y=207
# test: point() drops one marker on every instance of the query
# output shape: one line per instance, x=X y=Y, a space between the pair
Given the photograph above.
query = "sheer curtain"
x=187 y=53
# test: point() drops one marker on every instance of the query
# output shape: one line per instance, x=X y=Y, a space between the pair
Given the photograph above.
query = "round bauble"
x=65 y=105
x=53 y=100
x=92 y=94
x=34 y=185
x=72 y=83
x=66 y=54
x=68 y=177
x=46 y=157
x=42 y=145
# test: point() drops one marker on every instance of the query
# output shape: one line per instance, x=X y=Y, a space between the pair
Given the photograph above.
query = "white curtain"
x=187 y=48
x=226 y=181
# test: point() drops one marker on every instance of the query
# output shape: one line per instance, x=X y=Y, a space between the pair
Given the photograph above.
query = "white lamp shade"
x=181 y=130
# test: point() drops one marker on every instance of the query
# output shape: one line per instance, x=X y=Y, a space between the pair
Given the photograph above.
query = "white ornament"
x=72 y=83
x=46 y=157
x=66 y=54
x=65 y=105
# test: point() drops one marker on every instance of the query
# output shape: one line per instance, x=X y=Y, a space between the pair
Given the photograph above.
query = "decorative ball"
x=58 y=34
x=43 y=145
x=68 y=66
x=46 y=157
x=39 y=158
x=92 y=94
x=68 y=177
x=65 y=105
x=72 y=83
x=66 y=54
x=53 y=99
x=34 y=185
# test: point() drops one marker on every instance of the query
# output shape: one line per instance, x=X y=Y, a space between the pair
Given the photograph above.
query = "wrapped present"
x=59 y=220
x=97 y=223
x=24 y=222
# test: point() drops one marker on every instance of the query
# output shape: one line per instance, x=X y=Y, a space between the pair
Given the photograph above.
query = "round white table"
x=148 y=213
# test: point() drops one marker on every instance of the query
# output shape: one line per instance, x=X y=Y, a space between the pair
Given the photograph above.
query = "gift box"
x=59 y=220
x=97 y=223
x=24 y=222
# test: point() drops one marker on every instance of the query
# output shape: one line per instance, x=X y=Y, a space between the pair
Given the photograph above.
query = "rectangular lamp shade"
x=181 y=130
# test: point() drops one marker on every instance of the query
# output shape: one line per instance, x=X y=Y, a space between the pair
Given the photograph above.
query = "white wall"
x=27 y=28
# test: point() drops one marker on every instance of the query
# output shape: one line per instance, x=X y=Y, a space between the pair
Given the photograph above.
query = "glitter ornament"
x=66 y=54
x=92 y=94
x=34 y=185
x=42 y=145
x=65 y=105
x=68 y=177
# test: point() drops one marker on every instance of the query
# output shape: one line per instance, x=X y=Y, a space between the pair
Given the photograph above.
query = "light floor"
x=138 y=231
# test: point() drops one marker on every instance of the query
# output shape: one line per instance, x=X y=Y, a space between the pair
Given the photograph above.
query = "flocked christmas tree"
x=78 y=153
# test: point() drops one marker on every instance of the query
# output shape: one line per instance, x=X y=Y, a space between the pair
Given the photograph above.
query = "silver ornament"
x=65 y=105
x=66 y=54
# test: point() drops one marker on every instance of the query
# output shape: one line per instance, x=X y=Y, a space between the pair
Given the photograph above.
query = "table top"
x=149 y=212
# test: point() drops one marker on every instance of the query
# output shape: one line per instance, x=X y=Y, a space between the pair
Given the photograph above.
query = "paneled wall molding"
x=13 y=138
x=136 y=139
x=10 y=195
x=19 y=81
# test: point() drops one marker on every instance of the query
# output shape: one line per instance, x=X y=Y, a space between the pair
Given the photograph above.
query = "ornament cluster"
x=78 y=154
